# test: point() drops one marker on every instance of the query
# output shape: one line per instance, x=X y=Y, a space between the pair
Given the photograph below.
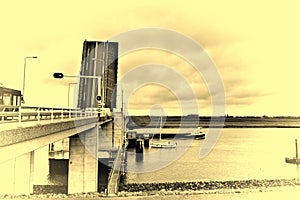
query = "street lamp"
x=69 y=94
x=23 y=91
x=59 y=75
x=122 y=109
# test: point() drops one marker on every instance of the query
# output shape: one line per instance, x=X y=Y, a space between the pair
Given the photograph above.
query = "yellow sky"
x=254 y=45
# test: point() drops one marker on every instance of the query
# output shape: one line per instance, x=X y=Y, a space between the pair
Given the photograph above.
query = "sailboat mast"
x=160 y=128
x=296 y=149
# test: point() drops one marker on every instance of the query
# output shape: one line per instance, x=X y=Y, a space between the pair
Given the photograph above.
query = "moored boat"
x=292 y=160
x=197 y=133
x=296 y=159
x=162 y=143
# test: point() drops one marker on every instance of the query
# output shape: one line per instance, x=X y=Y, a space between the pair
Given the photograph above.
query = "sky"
x=252 y=44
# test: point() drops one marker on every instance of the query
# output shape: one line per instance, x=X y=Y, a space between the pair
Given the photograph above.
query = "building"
x=10 y=97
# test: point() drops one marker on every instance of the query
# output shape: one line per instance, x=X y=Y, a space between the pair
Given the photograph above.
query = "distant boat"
x=294 y=160
x=197 y=133
x=162 y=143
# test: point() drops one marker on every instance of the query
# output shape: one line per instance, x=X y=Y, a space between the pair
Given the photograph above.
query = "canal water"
x=240 y=154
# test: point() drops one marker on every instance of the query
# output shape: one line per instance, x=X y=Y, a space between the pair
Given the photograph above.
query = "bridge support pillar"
x=41 y=166
x=107 y=129
x=83 y=162
x=17 y=174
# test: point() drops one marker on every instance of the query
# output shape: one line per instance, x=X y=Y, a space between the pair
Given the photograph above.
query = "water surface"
x=240 y=154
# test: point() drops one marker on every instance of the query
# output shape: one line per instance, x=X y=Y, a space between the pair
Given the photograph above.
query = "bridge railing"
x=114 y=175
x=30 y=113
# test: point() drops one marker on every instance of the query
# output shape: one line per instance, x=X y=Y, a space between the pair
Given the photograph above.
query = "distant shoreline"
x=213 y=122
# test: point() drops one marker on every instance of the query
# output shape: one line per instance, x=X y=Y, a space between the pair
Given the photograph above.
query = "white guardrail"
x=114 y=175
x=28 y=113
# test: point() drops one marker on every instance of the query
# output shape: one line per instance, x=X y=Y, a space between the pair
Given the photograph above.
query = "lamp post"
x=59 y=75
x=24 y=75
x=122 y=109
x=69 y=94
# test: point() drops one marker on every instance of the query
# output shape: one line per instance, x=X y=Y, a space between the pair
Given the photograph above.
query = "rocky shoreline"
x=207 y=185
x=176 y=188
x=55 y=196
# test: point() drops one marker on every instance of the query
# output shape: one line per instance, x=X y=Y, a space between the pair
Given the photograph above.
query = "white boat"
x=198 y=133
x=162 y=143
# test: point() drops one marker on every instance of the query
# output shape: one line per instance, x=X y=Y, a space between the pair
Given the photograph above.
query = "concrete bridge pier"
x=21 y=173
x=41 y=166
x=113 y=131
x=83 y=162
x=17 y=175
x=107 y=131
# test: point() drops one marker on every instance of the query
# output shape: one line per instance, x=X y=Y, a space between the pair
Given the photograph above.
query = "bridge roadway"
x=20 y=125
x=22 y=142
x=9 y=125
x=29 y=136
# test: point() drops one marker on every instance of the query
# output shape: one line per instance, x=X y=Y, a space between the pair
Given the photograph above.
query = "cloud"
x=245 y=96
x=256 y=55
